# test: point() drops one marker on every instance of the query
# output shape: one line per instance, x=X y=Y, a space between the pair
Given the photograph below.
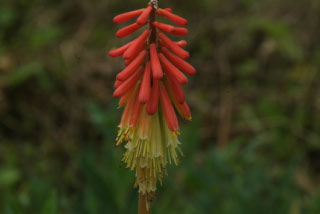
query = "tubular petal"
x=182 y=43
x=127 y=16
x=145 y=87
x=135 y=113
x=127 y=110
x=155 y=63
x=130 y=69
x=172 y=70
x=180 y=31
x=117 y=83
x=180 y=63
x=173 y=46
x=128 y=30
x=134 y=48
x=119 y=51
x=185 y=111
x=168 y=109
x=124 y=99
x=136 y=52
x=144 y=16
x=175 y=18
x=177 y=90
x=128 y=84
x=164 y=27
x=152 y=105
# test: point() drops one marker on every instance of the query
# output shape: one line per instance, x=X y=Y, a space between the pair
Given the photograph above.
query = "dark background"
x=253 y=145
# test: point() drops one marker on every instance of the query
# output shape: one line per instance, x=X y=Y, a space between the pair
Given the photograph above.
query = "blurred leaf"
x=51 y=204
x=24 y=73
x=8 y=176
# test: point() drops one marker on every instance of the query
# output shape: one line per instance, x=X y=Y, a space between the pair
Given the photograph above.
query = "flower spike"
x=150 y=91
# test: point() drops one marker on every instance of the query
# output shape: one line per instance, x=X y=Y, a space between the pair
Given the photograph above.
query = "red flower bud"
x=153 y=103
x=128 y=84
x=182 y=43
x=185 y=111
x=128 y=30
x=145 y=87
x=175 y=18
x=144 y=16
x=127 y=16
x=180 y=63
x=117 y=84
x=119 y=51
x=128 y=71
x=164 y=27
x=180 y=31
x=136 y=45
x=155 y=63
x=176 y=89
x=173 y=46
x=168 y=109
x=135 y=113
x=172 y=70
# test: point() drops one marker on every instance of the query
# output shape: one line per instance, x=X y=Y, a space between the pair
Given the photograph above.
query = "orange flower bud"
x=136 y=45
x=180 y=63
x=180 y=31
x=135 y=113
x=130 y=69
x=172 y=70
x=164 y=27
x=127 y=16
x=182 y=43
x=128 y=84
x=175 y=18
x=153 y=103
x=142 y=20
x=119 y=51
x=173 y=46
x=117 y=84
x=145 y=87
x=128 y=30
x=155 y=63
x=176 y=89
x=168 y=110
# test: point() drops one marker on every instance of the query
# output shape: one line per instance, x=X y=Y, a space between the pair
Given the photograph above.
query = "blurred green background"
x=253 y=145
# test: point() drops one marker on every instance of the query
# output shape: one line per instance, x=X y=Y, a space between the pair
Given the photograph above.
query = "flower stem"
x=143 y=204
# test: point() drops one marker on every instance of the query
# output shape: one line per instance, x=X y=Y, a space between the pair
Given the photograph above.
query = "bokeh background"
x=253 y=145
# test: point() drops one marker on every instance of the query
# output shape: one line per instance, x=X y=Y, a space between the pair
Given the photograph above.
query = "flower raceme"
x=150 y=90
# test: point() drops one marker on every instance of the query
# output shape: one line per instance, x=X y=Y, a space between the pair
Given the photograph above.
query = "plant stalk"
x=143 y=204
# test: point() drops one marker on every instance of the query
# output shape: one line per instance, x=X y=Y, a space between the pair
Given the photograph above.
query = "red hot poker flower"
x=149 y=88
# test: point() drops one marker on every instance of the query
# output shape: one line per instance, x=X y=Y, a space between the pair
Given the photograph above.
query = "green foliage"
x=258 y=62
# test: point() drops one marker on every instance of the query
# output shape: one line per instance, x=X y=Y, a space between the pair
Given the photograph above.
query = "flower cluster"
x=150 y=90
